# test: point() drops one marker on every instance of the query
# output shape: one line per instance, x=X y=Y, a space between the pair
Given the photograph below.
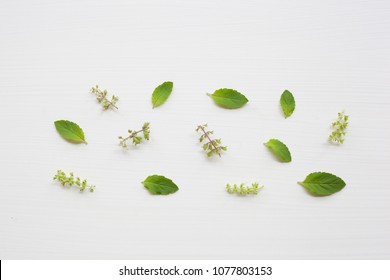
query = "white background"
x=332 y=55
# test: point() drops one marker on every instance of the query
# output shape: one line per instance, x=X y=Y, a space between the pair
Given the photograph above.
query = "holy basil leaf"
x=157 y=184
x=322 y=183
x=70 y=131
x=161 y=93
x=228 y=98
x=287 y=102
x=279 y=149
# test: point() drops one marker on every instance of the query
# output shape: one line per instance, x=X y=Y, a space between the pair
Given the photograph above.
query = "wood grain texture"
x=332 y=55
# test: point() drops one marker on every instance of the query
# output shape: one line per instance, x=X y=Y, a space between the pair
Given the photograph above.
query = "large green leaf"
x=228 y=98
x=157 y=184
x=322 y=183
x=70 y=131
x=287 y=102
x=161 y=93
x=279 y=149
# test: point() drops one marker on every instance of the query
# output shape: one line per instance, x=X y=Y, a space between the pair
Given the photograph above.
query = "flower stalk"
x=340 y=127
x=242 y=189
x=101 y=97
x=135 y=137
x=212 y=146
x=72 y=181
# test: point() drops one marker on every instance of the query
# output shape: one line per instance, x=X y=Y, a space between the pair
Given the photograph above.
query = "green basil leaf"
x=157 y=184
x=322 y=183
x=279 y=149
x=228 y=98
x=287 y=102
x=161 y=93
x=70 y=131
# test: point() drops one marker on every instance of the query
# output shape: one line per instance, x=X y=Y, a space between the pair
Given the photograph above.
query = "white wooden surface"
x=332 y=55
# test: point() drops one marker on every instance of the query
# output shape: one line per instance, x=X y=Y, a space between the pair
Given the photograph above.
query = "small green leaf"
x=161 y=93
x=70 y=131
x=279 y=149
x=287 y=102
x=157 y=184
x=322 y=183
x=228 y=98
